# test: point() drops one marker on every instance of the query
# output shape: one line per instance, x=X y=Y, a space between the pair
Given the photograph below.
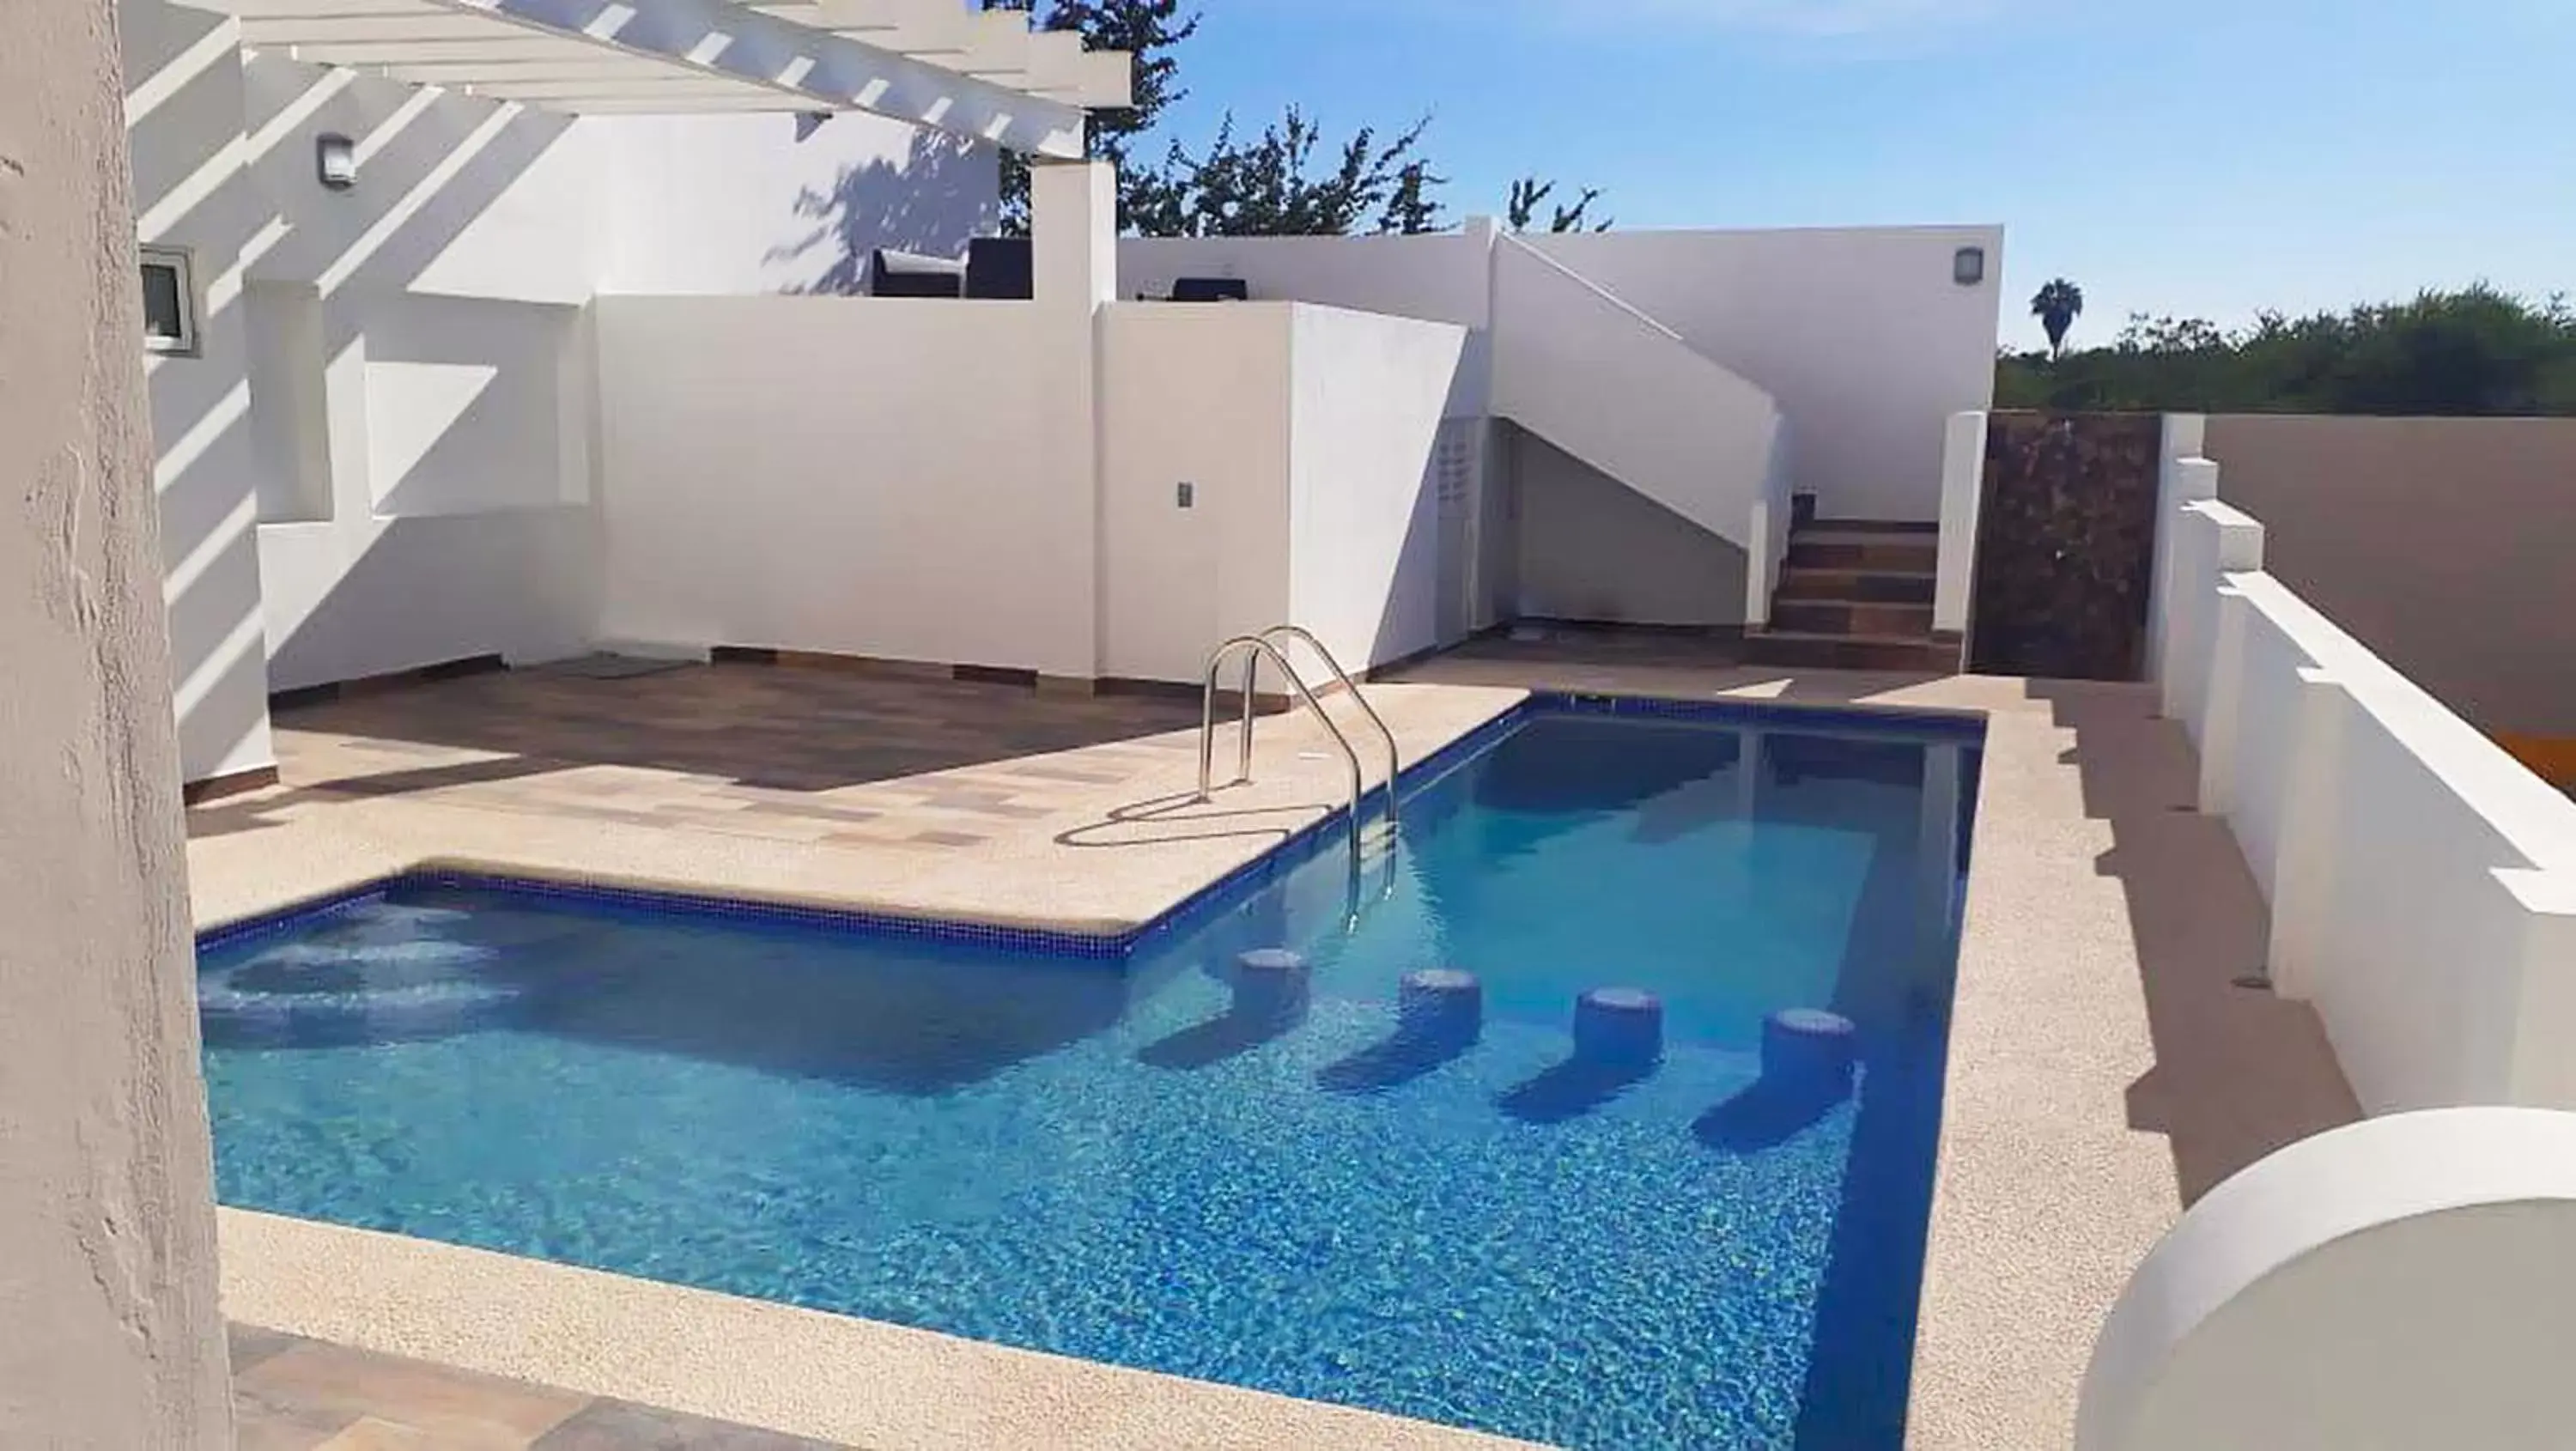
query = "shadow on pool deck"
x=2238 y=1072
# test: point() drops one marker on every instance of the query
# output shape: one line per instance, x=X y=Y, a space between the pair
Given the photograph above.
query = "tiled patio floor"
x=294 y=1394
x=790 y=754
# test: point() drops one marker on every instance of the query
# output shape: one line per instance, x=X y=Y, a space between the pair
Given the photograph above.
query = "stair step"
x=1813 y=651
x=1857 y=586
x=1909 y=556
x=1899 y=529
x=1855 y=618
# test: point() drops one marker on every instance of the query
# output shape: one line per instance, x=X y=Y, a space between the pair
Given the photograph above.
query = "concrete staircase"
x=1855 y=594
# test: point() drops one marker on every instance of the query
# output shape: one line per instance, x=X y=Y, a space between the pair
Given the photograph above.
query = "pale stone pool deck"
x=2104 y=1068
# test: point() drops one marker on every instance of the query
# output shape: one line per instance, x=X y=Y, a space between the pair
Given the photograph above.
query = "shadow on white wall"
x=931 y=203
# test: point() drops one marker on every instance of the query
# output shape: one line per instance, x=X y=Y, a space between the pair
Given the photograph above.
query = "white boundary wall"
x=1860 y=334
x=2422 y=883
x=888 y=478
x=864 y=476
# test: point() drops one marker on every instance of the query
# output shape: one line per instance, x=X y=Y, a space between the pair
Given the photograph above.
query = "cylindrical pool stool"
x=1810 y=1051
x=1441 y=1004
x=1619 y=1025
x=1269 y=981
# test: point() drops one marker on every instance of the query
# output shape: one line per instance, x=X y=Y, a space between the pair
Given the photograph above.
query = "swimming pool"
x=1123 y=1152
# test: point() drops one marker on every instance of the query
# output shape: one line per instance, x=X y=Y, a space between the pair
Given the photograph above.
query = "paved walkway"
x=294 y=1394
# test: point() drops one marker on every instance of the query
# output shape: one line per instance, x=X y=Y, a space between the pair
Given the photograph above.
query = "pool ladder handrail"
x=1254 y=648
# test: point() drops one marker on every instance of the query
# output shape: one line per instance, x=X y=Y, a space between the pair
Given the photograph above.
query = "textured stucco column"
x=109 y=1331
x=1073 y=231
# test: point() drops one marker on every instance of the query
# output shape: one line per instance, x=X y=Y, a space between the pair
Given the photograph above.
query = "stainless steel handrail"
x=1394 y=758
x=1259 y=645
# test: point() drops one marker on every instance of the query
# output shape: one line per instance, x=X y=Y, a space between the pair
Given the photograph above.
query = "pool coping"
x=875 y=913
x=578 y=1328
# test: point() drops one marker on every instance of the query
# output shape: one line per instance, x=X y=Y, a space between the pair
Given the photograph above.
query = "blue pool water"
x=1103 y=1158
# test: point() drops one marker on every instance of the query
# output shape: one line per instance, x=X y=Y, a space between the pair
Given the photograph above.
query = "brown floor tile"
x=624 y=1426
x=248 y=1345
x=462 y=1411
x=260 y=1424
x=369 y=1434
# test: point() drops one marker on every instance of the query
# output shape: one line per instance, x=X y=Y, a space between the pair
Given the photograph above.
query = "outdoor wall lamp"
x=335 y=160
x=1968 y=266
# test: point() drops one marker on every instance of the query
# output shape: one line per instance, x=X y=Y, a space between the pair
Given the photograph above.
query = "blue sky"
x=2195 y=157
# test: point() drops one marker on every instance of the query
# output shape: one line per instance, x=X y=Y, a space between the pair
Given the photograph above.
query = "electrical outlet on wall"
x=1186 y=495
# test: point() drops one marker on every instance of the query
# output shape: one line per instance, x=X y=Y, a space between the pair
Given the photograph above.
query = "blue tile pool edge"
x=1292 y=851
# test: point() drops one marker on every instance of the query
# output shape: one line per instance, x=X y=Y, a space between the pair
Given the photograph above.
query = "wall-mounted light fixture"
x=335 y=160
x=1968 y=266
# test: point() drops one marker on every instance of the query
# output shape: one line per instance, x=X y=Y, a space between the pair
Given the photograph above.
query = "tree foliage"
x=2477 y=351
x=2057 y=306
x=1521 y=208
x=1269 y=184
x=1148 y=30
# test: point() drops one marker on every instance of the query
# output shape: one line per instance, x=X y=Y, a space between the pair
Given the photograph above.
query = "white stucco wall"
x=866 y=476
x=1858 y=332
x=1626 y=395
x=1592 y=549
x=1363 y=512
x=2422 y=884
x=1307 y=435
x=1196 y=395
x=113 y=1335
x=393 y=388
x=1438 y=277
x=1963 y=486
x=185 y=106
x=2406 y=1281
x=743 y=204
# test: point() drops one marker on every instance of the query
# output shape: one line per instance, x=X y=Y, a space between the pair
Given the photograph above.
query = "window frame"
x=183 y=263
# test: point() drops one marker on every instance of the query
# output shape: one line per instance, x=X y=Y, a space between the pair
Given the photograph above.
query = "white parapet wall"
x=2407 y=1281
x=1963 y=484
x=890 y=478
x=2422 y=883
x=859 y=476
x=1626 y=395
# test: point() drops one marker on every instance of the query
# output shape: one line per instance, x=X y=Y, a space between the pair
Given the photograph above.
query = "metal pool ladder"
x=1265 y=645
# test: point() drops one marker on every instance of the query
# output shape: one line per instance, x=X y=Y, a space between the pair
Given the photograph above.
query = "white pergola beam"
x=483 y=73
x=992 y=79
x=664 y=89
x=458 y=55
x=416 y=26
x=831 y=72
x=749 y=100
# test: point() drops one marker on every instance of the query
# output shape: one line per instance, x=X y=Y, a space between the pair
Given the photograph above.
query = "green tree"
x=2057 y=306
x=1269 y=185
x=1410 y=208
x=1148 y=30
x=2476 y=351
x=1521 y=208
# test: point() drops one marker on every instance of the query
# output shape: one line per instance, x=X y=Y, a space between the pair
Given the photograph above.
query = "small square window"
x=169 y=302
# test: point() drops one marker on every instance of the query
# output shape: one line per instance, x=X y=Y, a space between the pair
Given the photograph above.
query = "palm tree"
x=2057 y=307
